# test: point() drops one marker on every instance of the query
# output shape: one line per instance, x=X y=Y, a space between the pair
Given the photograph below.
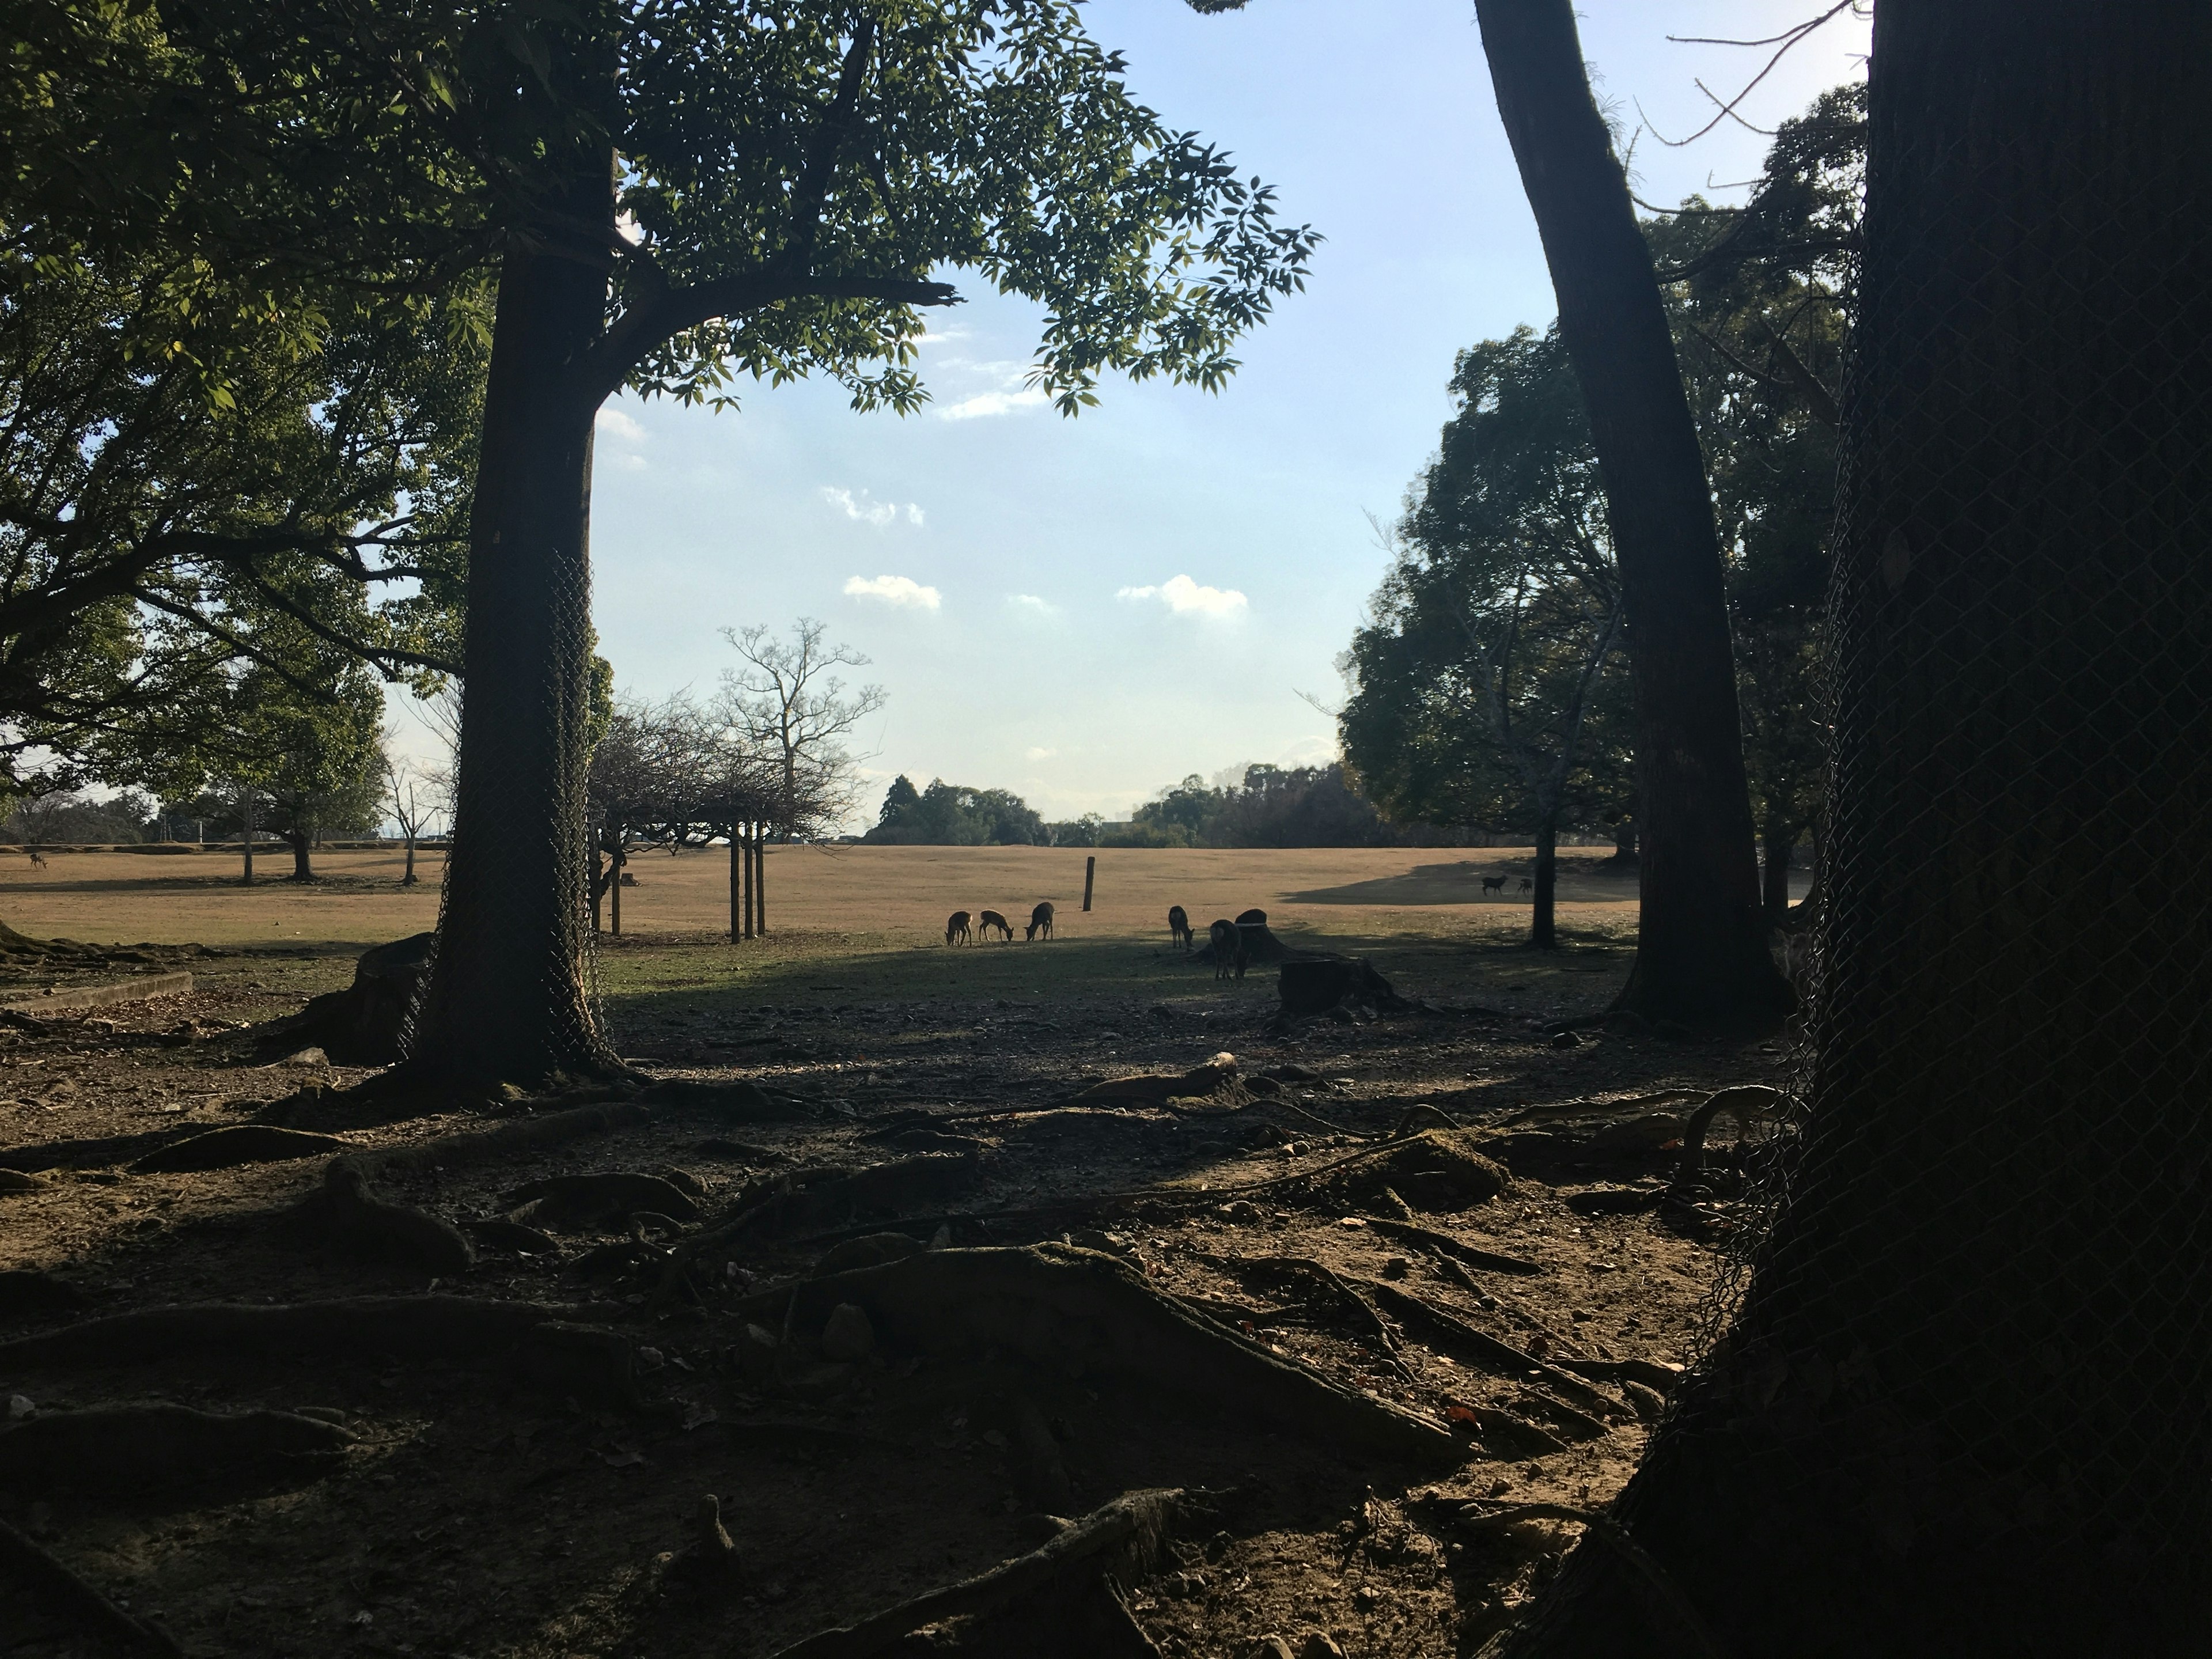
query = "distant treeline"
x=1271 y=806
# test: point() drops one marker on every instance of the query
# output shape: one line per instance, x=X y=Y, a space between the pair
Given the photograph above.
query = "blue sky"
x=1085 y=611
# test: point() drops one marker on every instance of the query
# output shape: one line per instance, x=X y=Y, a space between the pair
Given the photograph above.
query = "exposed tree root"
x=1434 y=1170
x=1083 y=1312
x=1473 y=1255
x=239 y=1144
x=533 y=1342
x=1343 y=1292
x=602 y=1201
x=92 y=1154
x=1218 y=1073
x=1454 y=1333
x=731 y=1102
x=1747 y=1103
x=25 y=1562
x=376 y=1227
x=163 y=1447
x=15 y=1180
x=513 y=1138
x=24 y=1291
x=496 y=1234
x=1125 y=1534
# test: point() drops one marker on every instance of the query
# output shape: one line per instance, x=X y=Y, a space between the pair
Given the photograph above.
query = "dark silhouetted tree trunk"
x=1701 y=954
x=1961 y=1410
x=507 y=1000
x=1541 y=933
x=302 y=845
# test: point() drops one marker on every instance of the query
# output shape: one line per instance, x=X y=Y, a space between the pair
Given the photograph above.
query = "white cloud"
x=902 y=591
x=992 y=403
x=1183 y=596
x=1039 y=754
x=614 y=423
x=1032 y=603
x=878 y=513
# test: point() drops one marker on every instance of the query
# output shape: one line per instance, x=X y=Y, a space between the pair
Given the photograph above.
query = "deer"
x=1227 y=940
x=991 y=919
x=1039 y=918
x=37 y=859
x=1494 y=884
x=956 y=928
x=1527 y=885
x=1178 y=928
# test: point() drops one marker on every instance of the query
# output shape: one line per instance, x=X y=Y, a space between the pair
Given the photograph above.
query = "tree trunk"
x=736 y=883
x=245 y=811
x=1541 y=933
x=302 y=846
x=407 y=879
x=507 y=1000
x=1625 y=855
x=1701 y=956
x=1960 y=1409
x=1781 y=842
x=760 y=880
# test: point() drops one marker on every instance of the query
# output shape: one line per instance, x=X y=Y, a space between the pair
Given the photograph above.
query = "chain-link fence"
x=1955 y=1396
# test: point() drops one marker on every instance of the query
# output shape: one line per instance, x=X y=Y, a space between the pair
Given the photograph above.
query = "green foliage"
x=793 y=173
x=1262 y=806
x=1487 y=687
x=1480 y=691
x=954 y=815
x=155 y=541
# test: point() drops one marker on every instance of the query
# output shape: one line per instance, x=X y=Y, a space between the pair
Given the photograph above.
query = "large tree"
x=671 y=197
x=1701 y=956
x=1959 y=1407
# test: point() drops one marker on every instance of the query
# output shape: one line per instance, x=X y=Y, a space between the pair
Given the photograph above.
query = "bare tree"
x=789 y=700
x=413 y=798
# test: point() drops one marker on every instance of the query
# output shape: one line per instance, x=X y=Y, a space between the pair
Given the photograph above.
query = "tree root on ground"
x=597 y=1202
x=1155 y=1088
x=730 y=1103
x=356 y=1217
x=497 y=1234
x=1434 y=1170
x=510 y=1140
x=25 y=1562
x=1125 y=1536
x=1080 y=1311
x=163 y=1447
x=1450 y=1331
x=534 y=1342
x=26 y=1290
x=1472 y=1255
x=239 y=1144
x=1344 y=1292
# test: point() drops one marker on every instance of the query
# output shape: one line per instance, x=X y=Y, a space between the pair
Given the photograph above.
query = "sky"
x=1086 y=610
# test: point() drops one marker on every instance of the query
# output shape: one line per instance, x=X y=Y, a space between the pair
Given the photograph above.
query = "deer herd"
x=1224 y=937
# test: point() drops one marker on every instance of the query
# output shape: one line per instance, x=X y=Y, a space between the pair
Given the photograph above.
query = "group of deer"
x=958 y=932
x=1224 y=937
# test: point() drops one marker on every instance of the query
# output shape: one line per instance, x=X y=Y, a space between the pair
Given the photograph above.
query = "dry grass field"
x=1329 y=1226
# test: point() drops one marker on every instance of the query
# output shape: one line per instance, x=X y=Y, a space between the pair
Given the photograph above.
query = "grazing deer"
x=1227 y=940
x=1178 y=928
x=1494 y=884
x=991 y=919
x=1527 y=885
x=956 y=928
x=37 y=859
x=1039 y=918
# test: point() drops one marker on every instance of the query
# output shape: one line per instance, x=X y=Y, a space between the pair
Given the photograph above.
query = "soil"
x=485 y=1510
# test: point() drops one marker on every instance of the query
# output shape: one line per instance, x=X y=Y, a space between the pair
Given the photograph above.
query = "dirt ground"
x=1280 y=1291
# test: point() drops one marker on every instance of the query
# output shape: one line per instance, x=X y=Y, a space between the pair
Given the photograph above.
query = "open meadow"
x=1431 y=1247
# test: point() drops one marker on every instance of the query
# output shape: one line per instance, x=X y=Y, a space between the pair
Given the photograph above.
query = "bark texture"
x=508 y=1000
x=1701 y=954
x=1960 y=1409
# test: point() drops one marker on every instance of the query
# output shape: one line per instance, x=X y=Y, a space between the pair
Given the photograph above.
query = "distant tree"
x=788 y=702
x=901 y=798
x=318 y=764
x=1481 y=689
x=955 y=815
x=412 y=798
x=71 y=815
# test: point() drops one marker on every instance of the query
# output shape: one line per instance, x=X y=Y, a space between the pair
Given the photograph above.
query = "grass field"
x=850 y=923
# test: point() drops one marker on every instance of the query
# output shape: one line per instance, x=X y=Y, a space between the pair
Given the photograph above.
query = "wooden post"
x=1089 y=869
x=737 y=881
x=614 y=911
x=760 y=878
x=247 y=809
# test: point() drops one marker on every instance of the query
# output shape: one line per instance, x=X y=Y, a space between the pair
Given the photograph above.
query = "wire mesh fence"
x=1952 y=1393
